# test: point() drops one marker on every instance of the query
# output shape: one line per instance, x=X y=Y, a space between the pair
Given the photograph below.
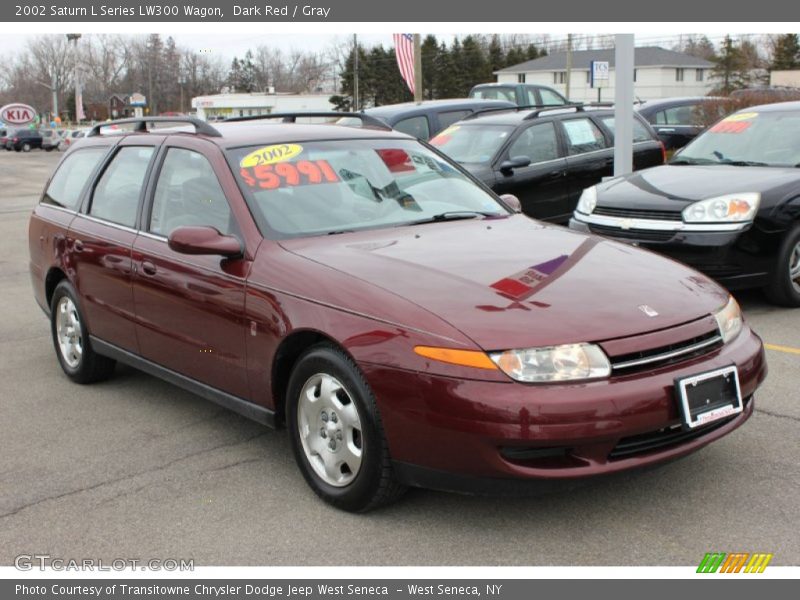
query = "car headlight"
x=731 y=208
x=556 y=363
x=587 y=201
x=729 y=320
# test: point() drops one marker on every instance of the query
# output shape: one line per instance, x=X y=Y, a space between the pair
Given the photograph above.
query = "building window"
x=521 y=78
x=699 y=74
x=559 y=77
x=678 y=74
x=588 y=77
x=635 y=74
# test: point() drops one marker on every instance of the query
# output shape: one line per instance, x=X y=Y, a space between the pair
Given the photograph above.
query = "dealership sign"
x=17 y=114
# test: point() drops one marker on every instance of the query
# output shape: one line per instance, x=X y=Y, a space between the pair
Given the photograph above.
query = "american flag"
x=404 y=50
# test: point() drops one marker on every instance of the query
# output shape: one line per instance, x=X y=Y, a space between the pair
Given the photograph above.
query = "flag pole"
x=417 y=68
x=355 y=73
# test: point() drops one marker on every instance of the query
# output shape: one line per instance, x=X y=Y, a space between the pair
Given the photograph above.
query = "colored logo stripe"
x=734 y=562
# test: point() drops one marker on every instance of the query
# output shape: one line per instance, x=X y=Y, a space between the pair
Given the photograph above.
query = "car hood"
x=672 y=187
x=515 y=282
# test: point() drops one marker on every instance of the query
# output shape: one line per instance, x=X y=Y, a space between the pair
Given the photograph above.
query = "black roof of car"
x=774 y=107
x=649 y=106
x=413 y=108
x=515 y=117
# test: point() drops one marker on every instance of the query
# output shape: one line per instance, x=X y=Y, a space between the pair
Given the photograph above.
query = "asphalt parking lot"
x=136 y=468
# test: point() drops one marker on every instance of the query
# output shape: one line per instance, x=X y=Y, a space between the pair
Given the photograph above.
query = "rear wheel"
x=71 y=339
x=336 y=432
x=784 y=289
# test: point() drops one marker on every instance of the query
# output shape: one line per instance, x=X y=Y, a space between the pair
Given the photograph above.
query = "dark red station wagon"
x=406 y=325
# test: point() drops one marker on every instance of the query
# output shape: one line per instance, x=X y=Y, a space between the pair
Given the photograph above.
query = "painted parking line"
x=779 y=348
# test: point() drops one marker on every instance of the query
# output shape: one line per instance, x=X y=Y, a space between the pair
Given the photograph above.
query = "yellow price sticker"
x=269 y=155
x=742 y=116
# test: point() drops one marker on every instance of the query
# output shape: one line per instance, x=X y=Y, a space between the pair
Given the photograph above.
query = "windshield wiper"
x=745 y=163
x=455 y=215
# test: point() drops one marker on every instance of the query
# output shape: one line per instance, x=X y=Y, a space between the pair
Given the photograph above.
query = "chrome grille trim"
x=667 y=355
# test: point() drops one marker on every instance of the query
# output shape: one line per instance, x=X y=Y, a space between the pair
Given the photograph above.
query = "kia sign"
x=17 y=114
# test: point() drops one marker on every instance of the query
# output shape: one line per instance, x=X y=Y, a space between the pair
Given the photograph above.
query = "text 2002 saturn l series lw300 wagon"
x=407 y=326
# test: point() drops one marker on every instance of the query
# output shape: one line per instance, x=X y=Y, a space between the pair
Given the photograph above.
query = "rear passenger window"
x=537 y=143
x=416 y=126
x=583 y=136
x=116 y=197
x=640 y=133
x=66 y=186
x=188 y=194
x=452 y=116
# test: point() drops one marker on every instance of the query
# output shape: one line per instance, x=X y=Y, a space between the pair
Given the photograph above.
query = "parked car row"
x=404 y=323
x=26 y=139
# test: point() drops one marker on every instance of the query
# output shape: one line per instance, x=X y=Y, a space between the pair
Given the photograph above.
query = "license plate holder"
x=709 y=396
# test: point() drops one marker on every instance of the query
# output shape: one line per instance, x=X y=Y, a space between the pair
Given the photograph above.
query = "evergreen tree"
x=786 y=52
x=731 y=68
x=496 y=58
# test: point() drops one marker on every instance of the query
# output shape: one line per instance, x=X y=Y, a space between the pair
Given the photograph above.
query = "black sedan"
x=728 y=204
x=546 y=156
x=677 y=121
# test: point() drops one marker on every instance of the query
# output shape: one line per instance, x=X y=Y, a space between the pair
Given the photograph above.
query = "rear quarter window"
x=416 y=126
x=72 y=175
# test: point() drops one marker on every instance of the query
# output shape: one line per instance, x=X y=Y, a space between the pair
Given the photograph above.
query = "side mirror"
x=514 y=162
x=203 y=240
x=512 y=202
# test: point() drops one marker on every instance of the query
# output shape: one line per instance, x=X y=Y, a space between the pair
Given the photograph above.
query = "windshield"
x=748 y=139
x=472 y=143
x=328 y=187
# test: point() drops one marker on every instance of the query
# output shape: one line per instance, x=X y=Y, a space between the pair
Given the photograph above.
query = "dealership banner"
x=71 y=11
x=393 y=589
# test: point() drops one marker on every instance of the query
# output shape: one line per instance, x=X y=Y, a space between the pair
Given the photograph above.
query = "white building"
x=221 y=106
x=658 y=73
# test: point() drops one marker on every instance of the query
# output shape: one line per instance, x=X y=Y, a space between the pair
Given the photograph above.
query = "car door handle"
x=77 y=245
x=666 y=130
x=609 y=161
x=148 y=268
x=556 y=174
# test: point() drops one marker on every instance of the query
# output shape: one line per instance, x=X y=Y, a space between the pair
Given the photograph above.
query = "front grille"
x=633 y=213
x=666 y=355
x=663 y=438
x=645 y=235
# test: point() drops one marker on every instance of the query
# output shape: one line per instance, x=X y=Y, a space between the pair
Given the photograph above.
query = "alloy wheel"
x=794 y=267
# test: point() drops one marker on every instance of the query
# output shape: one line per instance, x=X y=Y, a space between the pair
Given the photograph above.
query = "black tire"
x=90 y=366
x=374 y=484
x=782 y=290
x=26 y=147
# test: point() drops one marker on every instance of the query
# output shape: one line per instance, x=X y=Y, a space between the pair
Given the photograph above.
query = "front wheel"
x=71 y=339
x=26 y=147
x=784 y=289
x=336 y=432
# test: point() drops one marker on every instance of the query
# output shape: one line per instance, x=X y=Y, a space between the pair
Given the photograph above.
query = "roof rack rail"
x=537 y=107
x=291 y=117
x=579 y=107
x=140 y=123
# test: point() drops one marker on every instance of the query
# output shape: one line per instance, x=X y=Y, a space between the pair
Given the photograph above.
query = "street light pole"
x=74 y=37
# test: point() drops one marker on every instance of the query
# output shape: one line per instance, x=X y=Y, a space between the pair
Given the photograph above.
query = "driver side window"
x=188 y=194
x=539 y=143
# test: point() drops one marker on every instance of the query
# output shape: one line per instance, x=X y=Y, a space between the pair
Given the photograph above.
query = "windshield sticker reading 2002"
x=288 y=174
x=269 y=155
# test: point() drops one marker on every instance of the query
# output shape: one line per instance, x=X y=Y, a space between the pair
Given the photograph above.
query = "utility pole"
x=74 y=37
x=355 y=73
x=417 y=69
x=569 y=64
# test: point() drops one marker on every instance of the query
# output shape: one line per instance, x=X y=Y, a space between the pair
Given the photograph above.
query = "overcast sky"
x=233 y=45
